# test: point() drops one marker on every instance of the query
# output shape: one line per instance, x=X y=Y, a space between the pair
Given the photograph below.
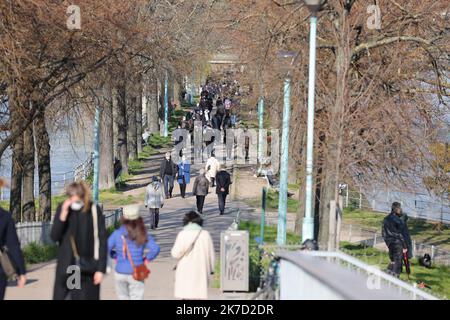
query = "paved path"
x=161 y=281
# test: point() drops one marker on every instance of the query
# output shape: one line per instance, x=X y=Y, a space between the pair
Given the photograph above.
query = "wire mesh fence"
x=417 y=205
x=373 y=238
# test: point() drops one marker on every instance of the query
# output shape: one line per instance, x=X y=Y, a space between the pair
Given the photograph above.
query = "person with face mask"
x=168 y=170
x=79 y=230
x=396 y=236
x=184 y=175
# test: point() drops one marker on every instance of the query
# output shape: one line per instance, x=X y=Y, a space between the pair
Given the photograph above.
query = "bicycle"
x=268 y=288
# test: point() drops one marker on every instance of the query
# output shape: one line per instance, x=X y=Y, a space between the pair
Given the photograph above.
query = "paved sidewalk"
x=161 y=281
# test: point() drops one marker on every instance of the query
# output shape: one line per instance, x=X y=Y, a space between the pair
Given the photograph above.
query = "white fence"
x=39 y=232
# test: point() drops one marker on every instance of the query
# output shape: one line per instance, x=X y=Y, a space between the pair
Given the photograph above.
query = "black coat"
x=223 y=180
x=395 y=231
x=162 y=168
x=80 y=225
x=8 y=238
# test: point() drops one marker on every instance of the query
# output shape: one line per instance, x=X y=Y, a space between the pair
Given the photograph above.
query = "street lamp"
x=166 y=104
x=286 y=60
x=308 y=221
x=96 y=155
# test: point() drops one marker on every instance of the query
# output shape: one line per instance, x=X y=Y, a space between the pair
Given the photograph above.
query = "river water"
x=68 y=149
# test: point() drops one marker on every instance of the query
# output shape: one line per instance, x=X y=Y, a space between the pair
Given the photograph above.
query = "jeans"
x=128 y=288
x=3 y=283
x=154 y=217
x=200 y=203
x=168 y=185
x=222 y=199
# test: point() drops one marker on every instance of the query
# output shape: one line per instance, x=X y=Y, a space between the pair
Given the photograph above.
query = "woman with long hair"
x=9 y=250
x=133 y=249
x=79 y=229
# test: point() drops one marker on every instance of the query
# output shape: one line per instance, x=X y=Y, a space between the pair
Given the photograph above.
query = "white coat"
x=194 y=269
x=214 y=167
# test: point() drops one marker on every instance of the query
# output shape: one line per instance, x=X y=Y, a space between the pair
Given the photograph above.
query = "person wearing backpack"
x=133 y=248
x=194 y=251
x=11 y=258
x=79 y=229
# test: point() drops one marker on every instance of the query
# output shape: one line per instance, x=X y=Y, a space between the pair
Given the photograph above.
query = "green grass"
x=437 y=277
x=256 y=264
x=420 y=230
x=37 y=253
x=134 y=166
x=272 y=202
x=157 y=141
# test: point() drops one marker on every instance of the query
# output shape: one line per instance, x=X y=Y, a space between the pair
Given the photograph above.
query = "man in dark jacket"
x=396 y=236
x=9 y=239
x=223 y=182
x=167 y=172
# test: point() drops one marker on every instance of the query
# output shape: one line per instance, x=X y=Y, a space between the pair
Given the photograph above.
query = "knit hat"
x=131 y=212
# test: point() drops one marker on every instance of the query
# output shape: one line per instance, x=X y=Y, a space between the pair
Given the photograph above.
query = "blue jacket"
x=184 y=169
x=8 y=238
x=115 y=249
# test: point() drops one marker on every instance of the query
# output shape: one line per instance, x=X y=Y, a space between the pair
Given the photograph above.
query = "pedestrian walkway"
x=161 y=281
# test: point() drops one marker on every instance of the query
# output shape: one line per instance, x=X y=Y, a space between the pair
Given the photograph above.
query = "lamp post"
x=96 y=157
x=286 y=59
x=308 y=221
x=166 y=105
x=261 y=127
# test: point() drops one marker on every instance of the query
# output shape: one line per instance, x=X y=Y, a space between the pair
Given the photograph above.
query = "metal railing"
x=61 y=179
x=373 y=238
x=39 y=232
x=414 y=204
x=336 y=275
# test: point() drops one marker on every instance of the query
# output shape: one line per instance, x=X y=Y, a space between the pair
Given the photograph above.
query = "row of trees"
x=58 y=64
x=381 y=94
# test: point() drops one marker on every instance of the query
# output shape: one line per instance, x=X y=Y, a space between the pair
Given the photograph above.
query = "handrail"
x=305 y=261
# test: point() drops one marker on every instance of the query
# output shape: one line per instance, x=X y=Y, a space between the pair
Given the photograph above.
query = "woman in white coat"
x=194 y=250
x=212 y=167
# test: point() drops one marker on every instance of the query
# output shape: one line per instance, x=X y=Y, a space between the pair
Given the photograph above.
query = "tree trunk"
x=331 y=170
x=152 y=106
x=114 y=100
x=106 y=176
x=15 y=201
x=122 y=125
x=139 y=120
x=44 y=169
x=28 y=207
x=132 y=127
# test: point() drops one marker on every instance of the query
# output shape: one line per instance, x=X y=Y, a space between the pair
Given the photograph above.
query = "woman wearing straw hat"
x=13 y=256
x=133 y=249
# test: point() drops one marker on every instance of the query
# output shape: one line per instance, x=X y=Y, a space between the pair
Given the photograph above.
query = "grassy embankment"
x=437 y=278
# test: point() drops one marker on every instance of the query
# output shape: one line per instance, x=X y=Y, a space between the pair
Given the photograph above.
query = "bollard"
x=350 y=234
x=263 y=214
x=432 y=251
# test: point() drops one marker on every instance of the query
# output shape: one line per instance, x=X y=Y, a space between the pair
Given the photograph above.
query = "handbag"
x=140 y=272
x=191 y=247
x=88 y=265
x=6 y=264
